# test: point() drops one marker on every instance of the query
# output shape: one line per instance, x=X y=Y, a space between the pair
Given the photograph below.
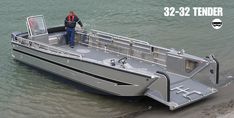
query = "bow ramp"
x=177 y=94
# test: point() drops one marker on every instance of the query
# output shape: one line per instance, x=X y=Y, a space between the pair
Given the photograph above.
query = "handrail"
x=163 y=65
x=49 y=48
x=122 y=38
x=119 y=37
x=63 y=52
x=160 y=48
x=162 y=60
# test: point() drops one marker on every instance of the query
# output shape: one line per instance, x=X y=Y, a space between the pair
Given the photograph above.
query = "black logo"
x=216 y=23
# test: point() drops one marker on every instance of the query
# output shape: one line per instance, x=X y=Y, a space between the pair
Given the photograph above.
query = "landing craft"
x=116 y=64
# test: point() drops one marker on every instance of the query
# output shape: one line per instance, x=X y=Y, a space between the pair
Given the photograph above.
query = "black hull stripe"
x=74 y=69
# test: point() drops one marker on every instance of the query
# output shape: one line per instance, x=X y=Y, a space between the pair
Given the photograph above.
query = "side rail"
x=118 y=37
x=44 y=47
x=127 y=46
x=117 y=49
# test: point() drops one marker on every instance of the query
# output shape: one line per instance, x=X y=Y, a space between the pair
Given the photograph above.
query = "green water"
x=27 y=92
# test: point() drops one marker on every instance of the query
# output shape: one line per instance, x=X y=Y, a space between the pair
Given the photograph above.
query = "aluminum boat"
x=117 y=65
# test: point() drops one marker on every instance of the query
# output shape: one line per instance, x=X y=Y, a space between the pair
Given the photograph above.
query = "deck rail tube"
x=119 y=37
x=113 y=36
x=92 y=38
x=125 y=55
x=39 y=45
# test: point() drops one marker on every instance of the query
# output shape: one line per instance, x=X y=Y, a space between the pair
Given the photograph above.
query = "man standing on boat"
x=70 y=24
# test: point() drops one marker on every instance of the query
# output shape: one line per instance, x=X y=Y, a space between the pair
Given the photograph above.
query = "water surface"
x=28 y=92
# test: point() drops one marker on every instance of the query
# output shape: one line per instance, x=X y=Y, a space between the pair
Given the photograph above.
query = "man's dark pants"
x=70 y=36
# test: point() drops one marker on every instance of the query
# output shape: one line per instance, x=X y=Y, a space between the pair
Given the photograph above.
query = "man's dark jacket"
x=71 y=22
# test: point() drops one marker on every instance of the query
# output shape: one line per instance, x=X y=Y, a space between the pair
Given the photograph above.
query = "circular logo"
x=216 y=23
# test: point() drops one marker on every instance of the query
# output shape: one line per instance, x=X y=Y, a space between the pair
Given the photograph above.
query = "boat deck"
x=133 y=65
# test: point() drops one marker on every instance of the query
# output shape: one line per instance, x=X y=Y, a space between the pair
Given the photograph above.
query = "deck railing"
x=129 y=47
x=126 y=46
x=45 y=47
